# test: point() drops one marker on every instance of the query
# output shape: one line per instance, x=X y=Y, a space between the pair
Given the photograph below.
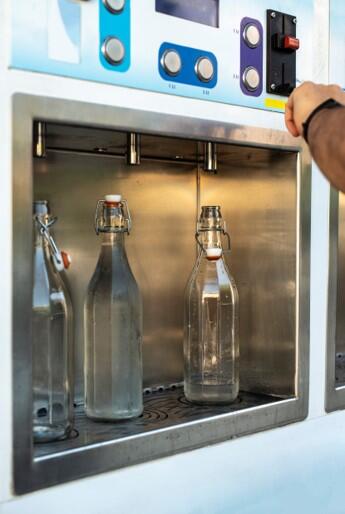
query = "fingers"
x=289 y=117
x=290 y=125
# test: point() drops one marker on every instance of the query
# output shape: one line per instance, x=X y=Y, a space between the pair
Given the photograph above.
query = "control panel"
x=241 y=52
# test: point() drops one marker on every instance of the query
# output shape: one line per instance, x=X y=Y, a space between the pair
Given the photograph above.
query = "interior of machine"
x=257 y=191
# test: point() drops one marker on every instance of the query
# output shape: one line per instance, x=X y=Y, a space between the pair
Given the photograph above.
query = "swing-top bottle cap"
x=41 y=208
x=113 y=198
x=213 y=254
x=112 y=215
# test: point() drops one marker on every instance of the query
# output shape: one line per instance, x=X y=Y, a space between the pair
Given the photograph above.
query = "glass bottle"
x=211 y=336
x=52 y=333
x=113 y=322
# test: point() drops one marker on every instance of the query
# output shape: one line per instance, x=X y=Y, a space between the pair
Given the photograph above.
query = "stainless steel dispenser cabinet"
x=71 y=154
x=335 y=387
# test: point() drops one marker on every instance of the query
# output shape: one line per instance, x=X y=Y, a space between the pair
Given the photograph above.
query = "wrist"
x=328 y=104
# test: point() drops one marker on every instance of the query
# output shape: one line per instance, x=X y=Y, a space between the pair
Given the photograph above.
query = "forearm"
x=326 y=138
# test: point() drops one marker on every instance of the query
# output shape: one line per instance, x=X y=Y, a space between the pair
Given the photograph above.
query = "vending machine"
x=174 y=106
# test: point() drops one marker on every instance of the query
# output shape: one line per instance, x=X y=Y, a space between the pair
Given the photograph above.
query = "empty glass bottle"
x=211 y=340
x=113 y=322
x=52 y=333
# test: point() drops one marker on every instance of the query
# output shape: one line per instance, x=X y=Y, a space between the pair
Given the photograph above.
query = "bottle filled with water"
x=113 y=322
x=211 y=333
x=52 y=334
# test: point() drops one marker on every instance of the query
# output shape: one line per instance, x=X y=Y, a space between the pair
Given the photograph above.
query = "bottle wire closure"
x=61 y=260
x=222 y=230
x=118 y=219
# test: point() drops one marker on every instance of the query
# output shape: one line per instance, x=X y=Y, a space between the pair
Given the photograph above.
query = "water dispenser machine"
x=168 y=116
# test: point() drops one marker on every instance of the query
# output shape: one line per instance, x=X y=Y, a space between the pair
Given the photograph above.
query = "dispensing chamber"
x=71 y=154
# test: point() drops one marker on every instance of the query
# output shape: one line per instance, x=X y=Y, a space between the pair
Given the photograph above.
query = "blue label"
x=117 y=25
x=189 y=58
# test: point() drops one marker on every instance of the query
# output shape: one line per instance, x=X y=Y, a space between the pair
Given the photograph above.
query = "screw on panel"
x=273 y=14
x=294 y=21
x=273 y=87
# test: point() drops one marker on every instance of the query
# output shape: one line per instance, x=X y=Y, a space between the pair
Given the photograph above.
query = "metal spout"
x=40 y=140
x=133 y=149
x=210 y=162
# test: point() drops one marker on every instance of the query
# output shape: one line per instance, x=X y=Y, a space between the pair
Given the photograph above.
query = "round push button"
x=251 y=78
x=171 y=62
x=204 y=69
x=113 y=50
x=251 y=35
x=114 y=6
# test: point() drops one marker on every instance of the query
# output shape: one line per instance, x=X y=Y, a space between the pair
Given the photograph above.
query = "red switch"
x=291 y=43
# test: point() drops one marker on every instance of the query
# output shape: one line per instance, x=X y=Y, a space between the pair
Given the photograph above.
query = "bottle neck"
x=39 y=240
x=113 y=251
x=113 y=239
x=211 y=239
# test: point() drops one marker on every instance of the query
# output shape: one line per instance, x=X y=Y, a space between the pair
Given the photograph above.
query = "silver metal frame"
x=335 y=396
x=31 y=474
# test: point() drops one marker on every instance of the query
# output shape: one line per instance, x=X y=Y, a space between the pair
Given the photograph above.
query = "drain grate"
x=161 y=409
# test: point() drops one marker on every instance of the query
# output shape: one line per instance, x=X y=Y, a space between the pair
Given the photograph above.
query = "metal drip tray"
x=161 y=410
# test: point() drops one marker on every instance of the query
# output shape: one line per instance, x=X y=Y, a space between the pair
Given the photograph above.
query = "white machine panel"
x=213 y=49
x=337 y=42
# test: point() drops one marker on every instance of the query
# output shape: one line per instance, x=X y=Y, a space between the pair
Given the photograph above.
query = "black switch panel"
x=282 y=45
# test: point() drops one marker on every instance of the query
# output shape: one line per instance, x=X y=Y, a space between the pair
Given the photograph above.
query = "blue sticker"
x=189 y=61
x=115 y=25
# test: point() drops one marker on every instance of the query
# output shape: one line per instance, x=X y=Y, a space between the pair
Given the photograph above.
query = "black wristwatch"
x=328 y=104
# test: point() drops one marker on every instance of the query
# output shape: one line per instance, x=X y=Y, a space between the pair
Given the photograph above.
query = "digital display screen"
x=200 y=11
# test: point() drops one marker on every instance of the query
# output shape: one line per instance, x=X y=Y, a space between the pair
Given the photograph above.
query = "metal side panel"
x=335 y=366
x=335 y=390
x=182 y=434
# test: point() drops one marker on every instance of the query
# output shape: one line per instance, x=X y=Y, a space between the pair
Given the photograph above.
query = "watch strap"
x=328 y=104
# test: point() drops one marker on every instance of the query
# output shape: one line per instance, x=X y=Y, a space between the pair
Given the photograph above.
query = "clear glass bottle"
x=211 y=334
x=113 y=322
x=52 y=334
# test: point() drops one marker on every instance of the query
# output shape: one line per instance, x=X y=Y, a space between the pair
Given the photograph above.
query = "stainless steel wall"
x=257 y=189
x=258 y=192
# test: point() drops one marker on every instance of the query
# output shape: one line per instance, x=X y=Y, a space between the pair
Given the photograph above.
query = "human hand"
x=304 y=100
